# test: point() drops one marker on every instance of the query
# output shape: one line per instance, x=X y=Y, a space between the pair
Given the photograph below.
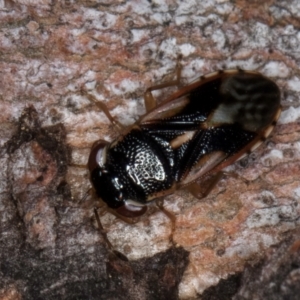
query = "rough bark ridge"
x=49 y=246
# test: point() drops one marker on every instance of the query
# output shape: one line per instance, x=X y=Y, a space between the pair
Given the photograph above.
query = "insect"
x=198 y=130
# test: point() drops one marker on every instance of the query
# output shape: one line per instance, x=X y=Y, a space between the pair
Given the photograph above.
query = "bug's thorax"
x=144 y=160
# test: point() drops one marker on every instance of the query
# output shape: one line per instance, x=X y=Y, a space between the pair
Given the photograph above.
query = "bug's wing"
x=230 y=94
x=215 y=121
x=213 y=149
x=247 y=111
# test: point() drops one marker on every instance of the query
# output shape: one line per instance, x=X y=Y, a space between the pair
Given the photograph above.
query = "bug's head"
x=108 y=186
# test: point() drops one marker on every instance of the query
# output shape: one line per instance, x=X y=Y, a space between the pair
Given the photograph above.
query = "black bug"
x=198 y=130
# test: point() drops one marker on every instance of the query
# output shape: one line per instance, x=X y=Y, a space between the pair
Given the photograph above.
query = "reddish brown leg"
x=105 y=209
x=118 y=126
x=160 y=204
x=124 y=219
x=102 y=231
x=83 y=202
x=78 y=166
x=114 y=253
x=200 y=193
x=150 y=101
x=236 y=176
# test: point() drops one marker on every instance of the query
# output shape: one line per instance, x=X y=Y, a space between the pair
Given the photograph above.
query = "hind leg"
x=200 y=193
x=160 y=204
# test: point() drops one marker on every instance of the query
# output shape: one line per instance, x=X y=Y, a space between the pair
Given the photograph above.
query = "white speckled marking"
x=125 y=86
x=276 y=69
x=187 y=49
x=146 y=166
x=289 y=115
x=271 y=216
x=294 y=84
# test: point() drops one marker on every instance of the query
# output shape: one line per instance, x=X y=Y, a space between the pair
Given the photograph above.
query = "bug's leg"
x=150 y=101
x=124 y=219
x=118 y=126
x=84 y=203
x=235 y=175
x=79 y=166
x=102 y=231
x=105 y=209
x=198 y=192
x=114 y=253
x=160 y=204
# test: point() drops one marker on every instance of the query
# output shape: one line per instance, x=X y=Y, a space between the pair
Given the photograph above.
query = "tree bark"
x=50 y=246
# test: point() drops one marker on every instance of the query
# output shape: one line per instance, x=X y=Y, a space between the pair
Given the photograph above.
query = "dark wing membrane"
x=250 y=100
x=209 y=148
x=213 y=122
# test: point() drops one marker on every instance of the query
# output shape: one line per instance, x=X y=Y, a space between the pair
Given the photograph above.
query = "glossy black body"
x=217 y=120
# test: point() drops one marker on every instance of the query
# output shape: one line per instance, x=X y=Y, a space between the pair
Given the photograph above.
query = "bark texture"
x=241 y=242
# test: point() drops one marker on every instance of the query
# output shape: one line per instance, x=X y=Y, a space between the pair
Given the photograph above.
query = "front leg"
x=118 y=126
x=114 y=253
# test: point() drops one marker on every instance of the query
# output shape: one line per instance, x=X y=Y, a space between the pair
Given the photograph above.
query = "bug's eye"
x=97 y=156
x=131 y=209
